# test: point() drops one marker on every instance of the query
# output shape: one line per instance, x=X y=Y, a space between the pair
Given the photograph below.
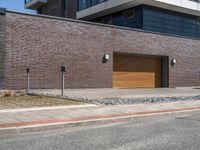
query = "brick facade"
x=2 y=46
x=56 y=8
x=45 y=43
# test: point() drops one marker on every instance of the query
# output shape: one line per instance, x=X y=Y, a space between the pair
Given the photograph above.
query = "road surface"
x=164 y=132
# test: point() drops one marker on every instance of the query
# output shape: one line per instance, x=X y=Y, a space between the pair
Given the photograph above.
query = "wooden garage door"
x=136 y=71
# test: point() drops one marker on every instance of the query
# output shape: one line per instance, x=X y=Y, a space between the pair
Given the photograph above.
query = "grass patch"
x=27 y=101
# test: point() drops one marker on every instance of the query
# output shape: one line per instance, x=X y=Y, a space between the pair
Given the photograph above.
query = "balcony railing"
x=34 y=4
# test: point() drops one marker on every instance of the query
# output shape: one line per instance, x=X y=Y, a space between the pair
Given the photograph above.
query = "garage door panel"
x=135 y=63
x=136 y=72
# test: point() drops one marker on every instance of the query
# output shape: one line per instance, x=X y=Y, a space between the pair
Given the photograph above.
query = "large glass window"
x=198 y=21
x=95 y=2
x=129 y=14
x=83 y=4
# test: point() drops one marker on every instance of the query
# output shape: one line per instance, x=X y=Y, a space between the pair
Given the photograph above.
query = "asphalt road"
x=166 y=132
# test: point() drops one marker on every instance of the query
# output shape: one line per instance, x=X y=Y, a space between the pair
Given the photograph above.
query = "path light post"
x=28 y=79
x=63 y=69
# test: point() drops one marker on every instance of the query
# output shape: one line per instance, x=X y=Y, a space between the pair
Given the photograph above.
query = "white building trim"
x=111 y=6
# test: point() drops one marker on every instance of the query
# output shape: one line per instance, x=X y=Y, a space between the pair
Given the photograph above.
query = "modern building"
x=59 y=8
x=111 y=44
x=179 y=17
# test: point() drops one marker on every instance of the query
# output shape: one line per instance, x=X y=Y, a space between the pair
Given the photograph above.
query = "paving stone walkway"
x=65 y=115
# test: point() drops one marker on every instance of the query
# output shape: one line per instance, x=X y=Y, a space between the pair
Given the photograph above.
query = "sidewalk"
x=20 y=121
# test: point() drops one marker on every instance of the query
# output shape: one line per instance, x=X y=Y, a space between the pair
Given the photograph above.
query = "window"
x=198 y=21
x=83 y=4
x=64 y=4
x=95 y=2
x=198 y=1
x=107 y=19
x=128 y=14
x=39 y=11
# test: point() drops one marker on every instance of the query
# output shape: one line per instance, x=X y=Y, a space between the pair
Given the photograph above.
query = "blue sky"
x=15 y=5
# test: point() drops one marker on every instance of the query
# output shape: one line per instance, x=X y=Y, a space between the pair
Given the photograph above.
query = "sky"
x=15 y=5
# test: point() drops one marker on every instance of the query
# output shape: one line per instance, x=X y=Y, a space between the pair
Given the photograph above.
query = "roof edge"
x=102 y=25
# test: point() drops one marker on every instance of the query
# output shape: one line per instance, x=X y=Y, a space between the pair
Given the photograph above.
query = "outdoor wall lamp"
x=173 y=62
x=106 y=58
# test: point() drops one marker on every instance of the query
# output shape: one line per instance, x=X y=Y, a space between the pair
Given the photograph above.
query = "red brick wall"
x=2 y=47
x=55 y=8
x=44 y=44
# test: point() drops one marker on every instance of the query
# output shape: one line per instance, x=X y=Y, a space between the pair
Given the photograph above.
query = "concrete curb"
x=94 y=121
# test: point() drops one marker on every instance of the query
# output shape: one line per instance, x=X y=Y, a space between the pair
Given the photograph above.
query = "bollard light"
x=28 y=79
x=63 y=70
x=28 y=70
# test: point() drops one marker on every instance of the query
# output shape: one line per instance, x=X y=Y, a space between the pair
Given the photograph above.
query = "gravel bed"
x=126 y=101
x=117 y=101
